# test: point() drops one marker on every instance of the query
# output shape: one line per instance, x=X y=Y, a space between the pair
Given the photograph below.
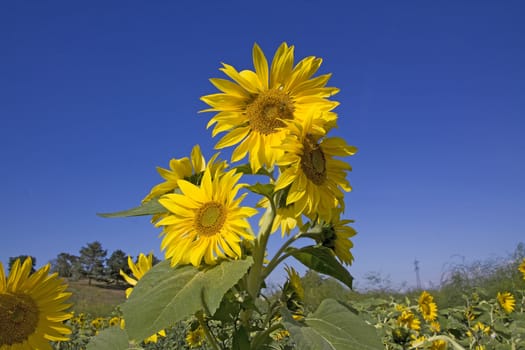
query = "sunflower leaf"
x=246 y=169
x=332 y=326
x=112 y=338
x=165 y=295
x=150 y=207
x=322 y=260
x=262 y=189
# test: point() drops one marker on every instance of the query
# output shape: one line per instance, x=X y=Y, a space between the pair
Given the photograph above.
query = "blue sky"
x=95 y=95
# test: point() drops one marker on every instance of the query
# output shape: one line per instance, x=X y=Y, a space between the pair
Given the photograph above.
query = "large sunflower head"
x=253 y=108
x=314 y=176
x=427 y=306
x=32 y=308
x=205 y=221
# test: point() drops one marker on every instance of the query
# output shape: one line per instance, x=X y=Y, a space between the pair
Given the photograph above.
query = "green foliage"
x=113 y=338
x=151 y=207
x=22 y=259
x=321 y=259
x=116 y=262
x=92 y=260
x=166 y=295
x=66 y=265
x=332 y=326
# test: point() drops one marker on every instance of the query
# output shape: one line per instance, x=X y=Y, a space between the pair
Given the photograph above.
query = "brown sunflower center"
x=313 y=162
x=268 y=110
x=210 y=218
x=19 y=318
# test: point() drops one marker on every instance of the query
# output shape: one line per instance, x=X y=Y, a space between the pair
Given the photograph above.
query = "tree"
x=64 y=265
x=92 y=260
x=22 y=259
x=116 y=262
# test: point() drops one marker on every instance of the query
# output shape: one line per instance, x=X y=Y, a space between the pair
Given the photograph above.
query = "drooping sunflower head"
x=32 y=307
x=507 y=301
x=316 y=179
x=205 y=221
x=143 y=265
x=427 y=306
x=254 y=105
x=336 y=236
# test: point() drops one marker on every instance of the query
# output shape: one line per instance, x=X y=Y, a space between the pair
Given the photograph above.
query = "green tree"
x=64 y=264
x=116 y=262
x=22 y=259
x=92 y=260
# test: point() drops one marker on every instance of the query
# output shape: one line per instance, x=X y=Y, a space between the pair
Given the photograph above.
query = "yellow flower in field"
x=183 y=169
x=336 y=236
x=253 y=108
x=143 y=265
x=506 y=301
x=280 y=335
x=522 y=268
x=438 y=345
x=206 y=221
x=315 y=178
x=114 y=321
x=409 y=320
x=294 y=281
x=435 y=326
x=427 y=306
x=32 y=308
x=196 y=337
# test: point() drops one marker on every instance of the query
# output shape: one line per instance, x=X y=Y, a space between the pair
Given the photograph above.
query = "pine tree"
x=92 y=260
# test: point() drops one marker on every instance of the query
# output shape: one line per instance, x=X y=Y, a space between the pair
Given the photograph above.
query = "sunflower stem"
x=276 y=260
x=207 y=331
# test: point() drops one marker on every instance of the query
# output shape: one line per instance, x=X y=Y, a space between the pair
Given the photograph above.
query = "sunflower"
x=522 y=268
x=315 y=177
x=427 y=306
x=253 y=107
x=196 y=337
x=183 y=168
x=32 y=308
x=506 y=301
x=143 y=265
x=409 y=320
x=438 y=344
x=205 y=221
x=336 y=236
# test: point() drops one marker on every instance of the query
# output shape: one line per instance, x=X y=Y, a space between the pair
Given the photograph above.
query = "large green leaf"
x=149 y=208
x=166 y=295
x=332 y=327
x=322 y=260
x=113 y=338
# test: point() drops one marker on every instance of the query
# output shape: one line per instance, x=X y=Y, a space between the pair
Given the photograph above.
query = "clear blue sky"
x=94 y=95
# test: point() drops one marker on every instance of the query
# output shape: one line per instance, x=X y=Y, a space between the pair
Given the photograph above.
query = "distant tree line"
x=91 y=263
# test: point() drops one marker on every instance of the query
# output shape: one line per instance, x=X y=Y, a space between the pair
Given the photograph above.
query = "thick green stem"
x=255 y=277
x=207 y=331
x=276 y=260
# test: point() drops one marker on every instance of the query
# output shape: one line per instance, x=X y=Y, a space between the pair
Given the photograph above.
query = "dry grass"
x=97 y=299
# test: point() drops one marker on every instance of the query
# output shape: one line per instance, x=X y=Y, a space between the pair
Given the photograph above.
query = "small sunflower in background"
x=196 y=337
x=32 y=308
x=427 y=306
x=507 y=301
x=253 y=106
x=206 y=222
x=521 y=268
x=143 y=265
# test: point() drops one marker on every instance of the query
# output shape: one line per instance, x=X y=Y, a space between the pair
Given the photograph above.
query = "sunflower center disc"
x=210 y=218
x=313 y=162
x=19 y=318
x=267 y=112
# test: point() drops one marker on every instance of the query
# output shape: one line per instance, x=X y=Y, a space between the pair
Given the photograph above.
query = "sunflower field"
x=276 y=124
